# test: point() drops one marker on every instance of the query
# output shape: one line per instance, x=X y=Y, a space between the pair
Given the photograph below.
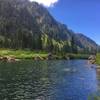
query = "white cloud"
x=47 y=3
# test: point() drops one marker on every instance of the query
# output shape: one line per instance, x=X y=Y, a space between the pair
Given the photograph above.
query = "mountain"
x=47 y=23
x=25 y=24
x=84 y=42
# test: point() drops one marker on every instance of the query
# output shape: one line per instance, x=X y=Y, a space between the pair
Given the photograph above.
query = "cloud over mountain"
x=47 y=3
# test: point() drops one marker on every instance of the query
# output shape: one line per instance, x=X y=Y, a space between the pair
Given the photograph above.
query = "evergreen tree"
x=74 y=46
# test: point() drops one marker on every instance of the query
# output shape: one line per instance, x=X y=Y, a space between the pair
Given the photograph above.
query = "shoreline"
x=16 y=55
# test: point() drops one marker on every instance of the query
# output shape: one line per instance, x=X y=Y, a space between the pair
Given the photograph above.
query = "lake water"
x=47 y=80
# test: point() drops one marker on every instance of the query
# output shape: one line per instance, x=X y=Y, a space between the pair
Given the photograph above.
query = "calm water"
x=47 y=80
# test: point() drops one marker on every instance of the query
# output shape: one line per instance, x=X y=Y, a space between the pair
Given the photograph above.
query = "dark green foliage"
x=74 y=46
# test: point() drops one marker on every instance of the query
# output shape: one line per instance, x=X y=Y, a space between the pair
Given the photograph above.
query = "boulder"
x=4 y=58
x=92 y=59
x=50 y=56
x=9 y=59
x=1 y=58
x=38 y=58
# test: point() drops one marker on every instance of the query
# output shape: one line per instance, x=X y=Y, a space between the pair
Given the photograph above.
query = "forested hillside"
x=28 y=25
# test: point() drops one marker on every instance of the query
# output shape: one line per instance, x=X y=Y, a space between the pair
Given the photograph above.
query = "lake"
x=47 y=80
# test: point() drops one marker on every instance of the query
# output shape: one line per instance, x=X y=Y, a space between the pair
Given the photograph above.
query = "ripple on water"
x=47 y=80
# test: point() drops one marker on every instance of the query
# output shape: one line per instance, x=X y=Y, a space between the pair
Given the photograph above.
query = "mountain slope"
x=47 y=23
x=25 y=24
x=16 y=24
x=84 y=42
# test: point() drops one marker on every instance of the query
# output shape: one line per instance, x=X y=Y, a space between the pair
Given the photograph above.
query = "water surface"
x=47 y=80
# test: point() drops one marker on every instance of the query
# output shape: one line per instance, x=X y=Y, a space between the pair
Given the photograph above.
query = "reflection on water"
x=47 y=80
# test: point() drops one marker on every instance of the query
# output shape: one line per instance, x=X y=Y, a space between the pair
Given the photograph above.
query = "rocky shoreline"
x=49 y=56
x=35 y=58
x=9 y=59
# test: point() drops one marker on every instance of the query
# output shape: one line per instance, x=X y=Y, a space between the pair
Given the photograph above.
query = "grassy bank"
x=22 y=54
x=26 y=54
x=98 y=58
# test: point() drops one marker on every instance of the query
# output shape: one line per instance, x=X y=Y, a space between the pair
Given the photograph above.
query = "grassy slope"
x=98 y=58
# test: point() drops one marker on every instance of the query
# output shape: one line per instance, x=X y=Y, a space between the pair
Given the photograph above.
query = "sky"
x=82 y=16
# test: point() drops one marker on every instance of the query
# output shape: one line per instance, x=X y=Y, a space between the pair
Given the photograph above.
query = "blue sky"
x=81 y=16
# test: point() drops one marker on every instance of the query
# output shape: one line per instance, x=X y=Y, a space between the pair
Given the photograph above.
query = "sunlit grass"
x=28 y=54
x=98 y=58
x=25 y=54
